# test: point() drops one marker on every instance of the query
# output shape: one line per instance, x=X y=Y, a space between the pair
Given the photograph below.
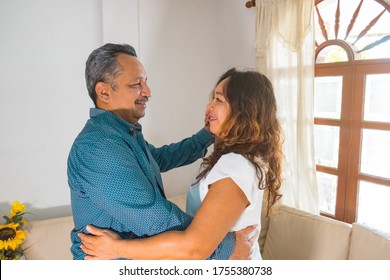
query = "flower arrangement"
x=12 y=234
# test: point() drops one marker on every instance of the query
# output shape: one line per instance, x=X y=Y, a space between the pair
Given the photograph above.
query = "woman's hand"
x=101 y=245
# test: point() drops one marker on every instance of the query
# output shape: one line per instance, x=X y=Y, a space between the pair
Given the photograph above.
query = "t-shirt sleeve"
x=235 y=166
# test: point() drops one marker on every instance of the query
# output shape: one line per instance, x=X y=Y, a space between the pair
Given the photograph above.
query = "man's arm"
x=182 y=153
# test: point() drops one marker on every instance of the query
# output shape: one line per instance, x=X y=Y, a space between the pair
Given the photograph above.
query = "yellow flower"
x=11 y=237
x=11 y=234
x=17 y=207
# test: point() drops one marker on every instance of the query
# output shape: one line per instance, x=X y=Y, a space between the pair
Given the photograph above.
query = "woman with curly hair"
x=244 y=167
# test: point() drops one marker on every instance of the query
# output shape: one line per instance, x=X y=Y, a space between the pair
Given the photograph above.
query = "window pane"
x=332 y=54
x=374 y=206
x=375 y=158
x=327 y=97
x=326 y=141
x=369 y=11
x=377 y=98
x=327 y=188
x=378 y=52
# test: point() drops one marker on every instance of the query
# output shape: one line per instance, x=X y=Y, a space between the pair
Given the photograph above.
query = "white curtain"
x=285 y=54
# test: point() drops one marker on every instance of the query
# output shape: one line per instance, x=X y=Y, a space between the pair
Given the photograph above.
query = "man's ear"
x=103 y=92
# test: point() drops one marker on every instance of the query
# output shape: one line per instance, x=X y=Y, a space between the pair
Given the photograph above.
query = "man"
x=113 y=173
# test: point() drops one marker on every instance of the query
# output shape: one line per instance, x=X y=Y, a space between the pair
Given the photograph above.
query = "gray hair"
x=102 y=66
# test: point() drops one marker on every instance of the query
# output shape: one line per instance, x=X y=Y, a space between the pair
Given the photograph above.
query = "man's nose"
x=145 y=90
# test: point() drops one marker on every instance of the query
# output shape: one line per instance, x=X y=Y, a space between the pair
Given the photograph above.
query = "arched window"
x=352 y=110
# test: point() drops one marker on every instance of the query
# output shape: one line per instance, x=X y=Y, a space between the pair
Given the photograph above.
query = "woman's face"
x=218 y=109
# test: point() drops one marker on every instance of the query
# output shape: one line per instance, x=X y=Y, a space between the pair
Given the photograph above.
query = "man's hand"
x=244 y=241
x=206 y=119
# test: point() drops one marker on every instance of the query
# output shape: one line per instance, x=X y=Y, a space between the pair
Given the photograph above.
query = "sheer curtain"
x=285 y=53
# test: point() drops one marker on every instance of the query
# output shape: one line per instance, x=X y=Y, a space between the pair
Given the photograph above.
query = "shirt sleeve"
x=182 y=153
x=233 y=166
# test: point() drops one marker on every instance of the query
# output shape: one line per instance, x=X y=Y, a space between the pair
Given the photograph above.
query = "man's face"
x=128 y=98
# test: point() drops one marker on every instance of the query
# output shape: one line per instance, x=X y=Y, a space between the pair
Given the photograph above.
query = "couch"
x=289 y=234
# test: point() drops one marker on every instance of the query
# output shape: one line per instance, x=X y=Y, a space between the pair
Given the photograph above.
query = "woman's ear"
x=102 y=92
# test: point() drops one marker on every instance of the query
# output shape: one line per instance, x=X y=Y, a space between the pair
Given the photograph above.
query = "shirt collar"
x=95 y=112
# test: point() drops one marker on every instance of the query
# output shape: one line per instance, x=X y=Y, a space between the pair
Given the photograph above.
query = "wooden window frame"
x=351 y=124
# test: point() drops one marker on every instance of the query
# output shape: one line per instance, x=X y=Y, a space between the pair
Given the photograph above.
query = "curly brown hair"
x=252 y=129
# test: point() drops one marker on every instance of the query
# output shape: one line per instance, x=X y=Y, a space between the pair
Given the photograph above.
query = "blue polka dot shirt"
x=115 y=180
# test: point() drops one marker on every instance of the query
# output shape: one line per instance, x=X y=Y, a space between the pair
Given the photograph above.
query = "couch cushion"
x=180 y=201
x=264 y=225
x=368 y=244
x=49 y=239
x=298 y=235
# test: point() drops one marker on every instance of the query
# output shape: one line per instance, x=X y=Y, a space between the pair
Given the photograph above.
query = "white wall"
x=184 y=46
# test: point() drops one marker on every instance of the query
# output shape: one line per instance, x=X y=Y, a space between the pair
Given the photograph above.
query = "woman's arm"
x=219 y=211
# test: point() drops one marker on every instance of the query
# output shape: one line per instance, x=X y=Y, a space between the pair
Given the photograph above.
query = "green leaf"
x=17 y=218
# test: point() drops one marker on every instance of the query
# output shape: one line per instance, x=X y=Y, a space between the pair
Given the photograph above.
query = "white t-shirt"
x=243 y=173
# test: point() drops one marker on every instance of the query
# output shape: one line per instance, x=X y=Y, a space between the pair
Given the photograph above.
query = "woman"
x=228 y=195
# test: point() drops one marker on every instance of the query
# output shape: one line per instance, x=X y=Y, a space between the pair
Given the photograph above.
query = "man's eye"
x=137 y=85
